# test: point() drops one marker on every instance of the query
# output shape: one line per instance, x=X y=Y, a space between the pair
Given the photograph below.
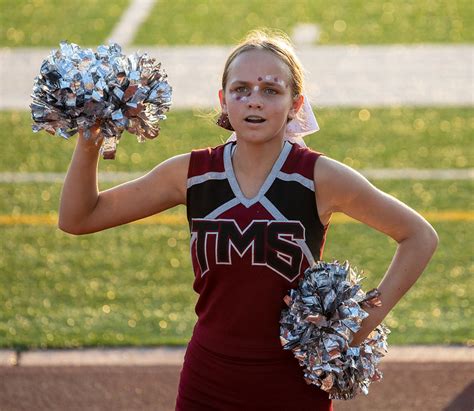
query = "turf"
x=46 y=22
x=89 y=22
x=391 y=137
x=34 y=198
x=133 y=285
x=340 y=22
x=438 y=308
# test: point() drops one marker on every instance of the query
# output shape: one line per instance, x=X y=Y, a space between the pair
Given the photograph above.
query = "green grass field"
x=431 y=196
x=133 y=285
x=29 y=23
x=340 y=22
x=393 y=138
x=89 y=22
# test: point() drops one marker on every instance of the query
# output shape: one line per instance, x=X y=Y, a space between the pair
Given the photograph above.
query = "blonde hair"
x=276 y=42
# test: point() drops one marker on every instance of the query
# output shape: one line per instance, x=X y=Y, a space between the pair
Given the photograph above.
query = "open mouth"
x=254 y=119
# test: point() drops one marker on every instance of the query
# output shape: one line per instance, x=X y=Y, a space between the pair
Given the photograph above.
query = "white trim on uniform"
x=212 y=175
x=224 y=207
x=298 y=178
x=247 y=202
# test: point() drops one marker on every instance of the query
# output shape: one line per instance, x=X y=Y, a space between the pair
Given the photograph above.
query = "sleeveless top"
x=247 y=253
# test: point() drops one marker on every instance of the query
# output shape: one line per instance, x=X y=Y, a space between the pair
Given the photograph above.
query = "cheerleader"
x=259 y=209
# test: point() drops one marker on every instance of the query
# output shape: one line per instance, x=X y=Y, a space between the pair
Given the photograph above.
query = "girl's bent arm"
x=342 y=189
x=84 y=209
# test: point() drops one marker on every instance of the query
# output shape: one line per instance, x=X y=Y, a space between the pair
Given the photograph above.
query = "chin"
x=258 y=138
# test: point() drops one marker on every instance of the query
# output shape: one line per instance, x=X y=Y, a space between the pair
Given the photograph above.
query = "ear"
x=296 y=105
x=222 y=101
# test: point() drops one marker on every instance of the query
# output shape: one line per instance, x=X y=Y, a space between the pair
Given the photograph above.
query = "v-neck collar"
x=229 y=170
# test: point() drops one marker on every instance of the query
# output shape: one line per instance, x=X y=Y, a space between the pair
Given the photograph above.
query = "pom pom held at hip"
x=323 y=313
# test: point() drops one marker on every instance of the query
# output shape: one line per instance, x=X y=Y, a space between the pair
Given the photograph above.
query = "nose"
x=254 y=100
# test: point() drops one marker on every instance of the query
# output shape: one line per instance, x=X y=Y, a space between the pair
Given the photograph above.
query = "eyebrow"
x=246 y=83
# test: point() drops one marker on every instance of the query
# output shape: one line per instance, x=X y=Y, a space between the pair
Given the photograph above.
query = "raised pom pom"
x=77 y=88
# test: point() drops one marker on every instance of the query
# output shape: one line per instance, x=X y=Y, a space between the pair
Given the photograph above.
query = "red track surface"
x=418 y=386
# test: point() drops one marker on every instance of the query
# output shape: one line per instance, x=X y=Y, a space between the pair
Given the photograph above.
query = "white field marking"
x=427 y=75
x=376 y=174
x=305 y=34
x=130 y=21
x=429 y=353
x=97 y=356
x=106 y=177
x=419 y=174
x=175 y=355
x=7 y=358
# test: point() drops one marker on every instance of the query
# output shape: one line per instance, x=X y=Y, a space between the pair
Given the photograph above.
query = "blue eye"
x=270 y=91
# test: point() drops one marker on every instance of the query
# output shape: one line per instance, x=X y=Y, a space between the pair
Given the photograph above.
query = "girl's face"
x=258 y=97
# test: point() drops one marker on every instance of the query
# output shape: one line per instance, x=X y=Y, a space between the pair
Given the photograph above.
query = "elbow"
x=430 y=238
x=67 y=227
x=422 y=236
x=435 y=237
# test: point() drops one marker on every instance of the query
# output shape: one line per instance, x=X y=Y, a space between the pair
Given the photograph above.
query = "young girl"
x=258 y=208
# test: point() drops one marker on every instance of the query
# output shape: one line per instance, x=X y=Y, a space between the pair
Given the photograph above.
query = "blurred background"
x=391 y=86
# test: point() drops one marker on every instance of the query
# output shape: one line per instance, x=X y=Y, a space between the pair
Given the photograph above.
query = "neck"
x=256 y=160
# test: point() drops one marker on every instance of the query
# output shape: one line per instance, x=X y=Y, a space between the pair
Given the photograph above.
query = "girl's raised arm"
x=84 y=209
x=341 y=189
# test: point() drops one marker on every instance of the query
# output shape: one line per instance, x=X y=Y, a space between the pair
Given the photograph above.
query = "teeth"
x=254 y=118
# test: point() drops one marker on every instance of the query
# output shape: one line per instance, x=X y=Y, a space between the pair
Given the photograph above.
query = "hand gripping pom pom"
x=323 y=314
x=77 y=88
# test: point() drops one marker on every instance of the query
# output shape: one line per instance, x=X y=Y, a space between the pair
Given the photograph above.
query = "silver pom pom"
x=324 y=313
x=78 y=88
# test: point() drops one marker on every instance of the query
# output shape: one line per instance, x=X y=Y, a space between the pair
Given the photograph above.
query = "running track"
x=406 y=386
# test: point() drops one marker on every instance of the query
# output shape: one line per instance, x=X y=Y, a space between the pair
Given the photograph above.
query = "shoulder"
x=304 y=151
x=176 y=163
x=338 y=183
x=181 y=162
x=211 y=151
x=171 y=173
x=205 y=160
x=301 y=160
x=327 y=168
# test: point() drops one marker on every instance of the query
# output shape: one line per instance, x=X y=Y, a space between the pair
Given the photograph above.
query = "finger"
x=287 y=299
x=92 y=134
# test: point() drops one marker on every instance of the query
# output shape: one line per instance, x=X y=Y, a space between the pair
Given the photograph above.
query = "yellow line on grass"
x=180 y=219
x=52 y=219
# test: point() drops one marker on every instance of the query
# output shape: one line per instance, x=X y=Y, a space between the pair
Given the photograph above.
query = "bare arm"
x=84 y=209
x=342 y=189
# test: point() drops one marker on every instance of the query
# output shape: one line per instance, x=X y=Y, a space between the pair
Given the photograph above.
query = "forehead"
x=251 y=64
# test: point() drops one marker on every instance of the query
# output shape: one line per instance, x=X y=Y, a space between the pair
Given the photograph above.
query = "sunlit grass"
x=43 y=198
x=438 y=309
x=90 y=22
x=47 y=22
x=133 y=285
x=356 y=21
x=127 y=286
x=390 y=137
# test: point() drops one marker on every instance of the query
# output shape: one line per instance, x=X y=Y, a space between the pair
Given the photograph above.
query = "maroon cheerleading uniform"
x=247 y=254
